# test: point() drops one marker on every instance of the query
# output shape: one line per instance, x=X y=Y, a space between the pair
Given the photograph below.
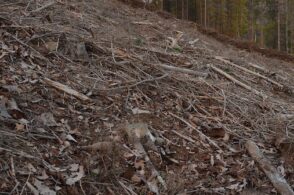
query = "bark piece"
x=66 y=89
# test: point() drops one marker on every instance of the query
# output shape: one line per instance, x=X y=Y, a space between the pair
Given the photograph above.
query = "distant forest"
x=268 y=23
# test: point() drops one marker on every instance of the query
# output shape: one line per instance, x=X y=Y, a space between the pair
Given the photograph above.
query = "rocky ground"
x=97 y=97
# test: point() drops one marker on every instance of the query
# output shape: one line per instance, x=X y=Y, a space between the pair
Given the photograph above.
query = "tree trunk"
x=279 y=25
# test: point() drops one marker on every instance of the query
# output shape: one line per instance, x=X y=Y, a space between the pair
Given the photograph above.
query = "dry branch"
x=248 y=71
x=199 y=132
x=66 y=89
x=271 y=172
x=183 y=136
x=135 y=132
x=182 y=70
x=237 y=81
x=44 y=7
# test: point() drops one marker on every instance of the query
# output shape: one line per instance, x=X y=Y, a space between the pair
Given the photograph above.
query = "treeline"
x=268 y=23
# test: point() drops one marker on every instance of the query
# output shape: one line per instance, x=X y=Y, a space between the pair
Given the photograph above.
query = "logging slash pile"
x=97 y=97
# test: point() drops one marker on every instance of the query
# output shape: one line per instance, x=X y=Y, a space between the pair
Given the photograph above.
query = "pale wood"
x=248 y=71
x=182 y=70
x=66 y=89
x=271 y=172
x=237 y=81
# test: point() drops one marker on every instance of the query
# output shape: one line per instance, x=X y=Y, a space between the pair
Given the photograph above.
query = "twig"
x=12 y=167
x=22 y=190
x=44 y=7
x=66 y=89
x=127 y=189
x=248 y=71
x=19 y=153
x=237 y=81
x=140 y=82
x=183 y=70
x=183 y=136
x=24 y=44
x=200 y=133
x=271 y=172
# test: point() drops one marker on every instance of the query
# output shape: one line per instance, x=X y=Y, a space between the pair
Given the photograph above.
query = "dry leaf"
x=48 y=119
x=43 y=190
x=13 y=109
x=75 y=177
x=44 y=176
x=19 y=127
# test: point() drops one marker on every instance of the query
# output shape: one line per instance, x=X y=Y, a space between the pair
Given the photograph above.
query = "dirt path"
x=137 y=103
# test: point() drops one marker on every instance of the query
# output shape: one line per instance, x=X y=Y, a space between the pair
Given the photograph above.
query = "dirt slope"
x=91 y=103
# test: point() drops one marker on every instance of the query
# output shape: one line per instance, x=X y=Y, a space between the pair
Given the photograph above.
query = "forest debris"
x=3 y=110
x=13 y=109
x=135 y=132
x=32 y=188
x=182 y=70
x=173 y=42
x=99 y=146
x=234 y=80
x=48 y=119
x=43 y=190
x=183 y=136
x=271 y=172
x=66 y=89
x=248 y=71
x=75 y=177
x=44 y=6
x=142 y=23
x=198 y=131
x=140 y=111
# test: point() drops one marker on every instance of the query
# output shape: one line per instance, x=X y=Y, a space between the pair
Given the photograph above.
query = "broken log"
x=66 y=89
x=271 y=172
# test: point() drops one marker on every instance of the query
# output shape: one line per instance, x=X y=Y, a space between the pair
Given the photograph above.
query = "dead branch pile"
x=100 y=98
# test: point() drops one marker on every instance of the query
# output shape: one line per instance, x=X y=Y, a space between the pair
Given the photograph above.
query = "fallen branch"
x=183 y=70
x=66 y=89
x=44 y=7
x=237 y=81
x=271 y=172
x=135 y=132
x=248 y=71
x=183 y=136
x=142 y=23
x=199 y=132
